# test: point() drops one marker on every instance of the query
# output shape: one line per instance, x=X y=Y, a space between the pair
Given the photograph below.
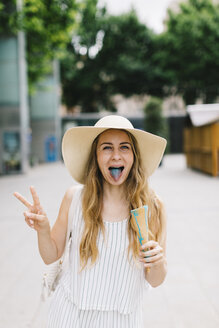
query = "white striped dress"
x=109 y=294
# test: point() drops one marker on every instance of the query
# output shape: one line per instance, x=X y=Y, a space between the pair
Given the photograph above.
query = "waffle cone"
x=139 y=218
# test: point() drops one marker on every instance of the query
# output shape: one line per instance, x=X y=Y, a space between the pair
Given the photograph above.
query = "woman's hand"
x=151 y=254
x=35 y=216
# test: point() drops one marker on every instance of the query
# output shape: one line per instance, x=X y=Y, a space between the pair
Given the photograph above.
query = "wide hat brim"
x=77 y=142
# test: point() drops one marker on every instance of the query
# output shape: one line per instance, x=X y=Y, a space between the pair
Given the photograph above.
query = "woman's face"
x=114 y=156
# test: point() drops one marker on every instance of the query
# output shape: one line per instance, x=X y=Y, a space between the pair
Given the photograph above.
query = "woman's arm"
x=59 y=230
x=154 y=262
x=51 y=243
x=153 y=253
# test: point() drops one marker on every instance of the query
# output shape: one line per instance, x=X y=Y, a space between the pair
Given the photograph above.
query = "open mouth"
x=116 y=172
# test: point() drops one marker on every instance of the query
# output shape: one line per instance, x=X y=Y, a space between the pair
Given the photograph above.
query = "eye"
x=125 y=147
x=107 y=147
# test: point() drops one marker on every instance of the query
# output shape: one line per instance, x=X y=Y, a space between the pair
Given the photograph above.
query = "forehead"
x=113 y=135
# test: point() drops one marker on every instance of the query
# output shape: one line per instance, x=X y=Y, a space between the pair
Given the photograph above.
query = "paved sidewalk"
x=189 y=296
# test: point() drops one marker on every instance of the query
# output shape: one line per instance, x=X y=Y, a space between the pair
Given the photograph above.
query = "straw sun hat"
x=77 y=141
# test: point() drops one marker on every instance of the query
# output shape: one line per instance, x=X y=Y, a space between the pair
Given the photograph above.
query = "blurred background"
x=66 y=63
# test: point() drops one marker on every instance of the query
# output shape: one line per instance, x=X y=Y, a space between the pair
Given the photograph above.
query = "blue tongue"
x=115 y=172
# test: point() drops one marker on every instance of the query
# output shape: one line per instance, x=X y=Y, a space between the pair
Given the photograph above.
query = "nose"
x=116 y=154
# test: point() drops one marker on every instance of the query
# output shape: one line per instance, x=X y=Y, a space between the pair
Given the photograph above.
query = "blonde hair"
x=138 y=193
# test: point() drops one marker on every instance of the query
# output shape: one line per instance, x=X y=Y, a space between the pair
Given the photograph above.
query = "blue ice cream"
x=116 y=172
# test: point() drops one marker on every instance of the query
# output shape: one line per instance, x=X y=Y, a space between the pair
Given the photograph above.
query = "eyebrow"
x=121 y=143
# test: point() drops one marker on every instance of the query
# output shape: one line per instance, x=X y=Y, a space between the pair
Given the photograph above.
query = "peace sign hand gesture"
x=35 y=217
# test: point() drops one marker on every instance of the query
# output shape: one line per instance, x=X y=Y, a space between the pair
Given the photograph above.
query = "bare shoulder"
x=156 y=198
x=162 y=217
x=69 y=194
x=158 y=203
x=66 y=203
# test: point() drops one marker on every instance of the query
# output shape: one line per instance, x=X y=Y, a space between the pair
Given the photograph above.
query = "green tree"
x=189 y=51
x=122 y=64
x=8 y=17
x=154 y=121
x=80 y=73
x=48 y=25
x=132 y=46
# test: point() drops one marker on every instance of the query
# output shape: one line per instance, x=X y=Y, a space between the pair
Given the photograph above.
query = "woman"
x=108 y=271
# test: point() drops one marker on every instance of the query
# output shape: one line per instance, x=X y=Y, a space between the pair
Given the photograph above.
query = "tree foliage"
x=126 y=55
x=48 y=25
x=189 y=50
x=123 y=63
x=8 y=17
x=79 y=71
x=155 y=122
x=103 y=55
x=183 y=60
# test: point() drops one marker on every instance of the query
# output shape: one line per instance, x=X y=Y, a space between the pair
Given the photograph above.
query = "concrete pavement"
x=189 y=296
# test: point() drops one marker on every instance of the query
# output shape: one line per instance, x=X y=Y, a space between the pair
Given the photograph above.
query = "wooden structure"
x=201 y=147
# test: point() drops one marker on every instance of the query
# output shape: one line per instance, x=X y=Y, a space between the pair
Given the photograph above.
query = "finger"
x=152 y=252
x=41 y=211
x=153 y=264
x=31 y=225
x=149 y=244
x=29 y=222
x=34 y=217
x=36 y=200
x=151 y=258
x=154 y=258
x=22 y=200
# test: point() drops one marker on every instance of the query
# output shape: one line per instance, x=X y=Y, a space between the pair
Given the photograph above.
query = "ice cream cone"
x=140 y=220
x=139 y=217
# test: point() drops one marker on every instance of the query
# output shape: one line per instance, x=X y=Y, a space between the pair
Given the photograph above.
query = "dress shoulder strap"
x=75 y=207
